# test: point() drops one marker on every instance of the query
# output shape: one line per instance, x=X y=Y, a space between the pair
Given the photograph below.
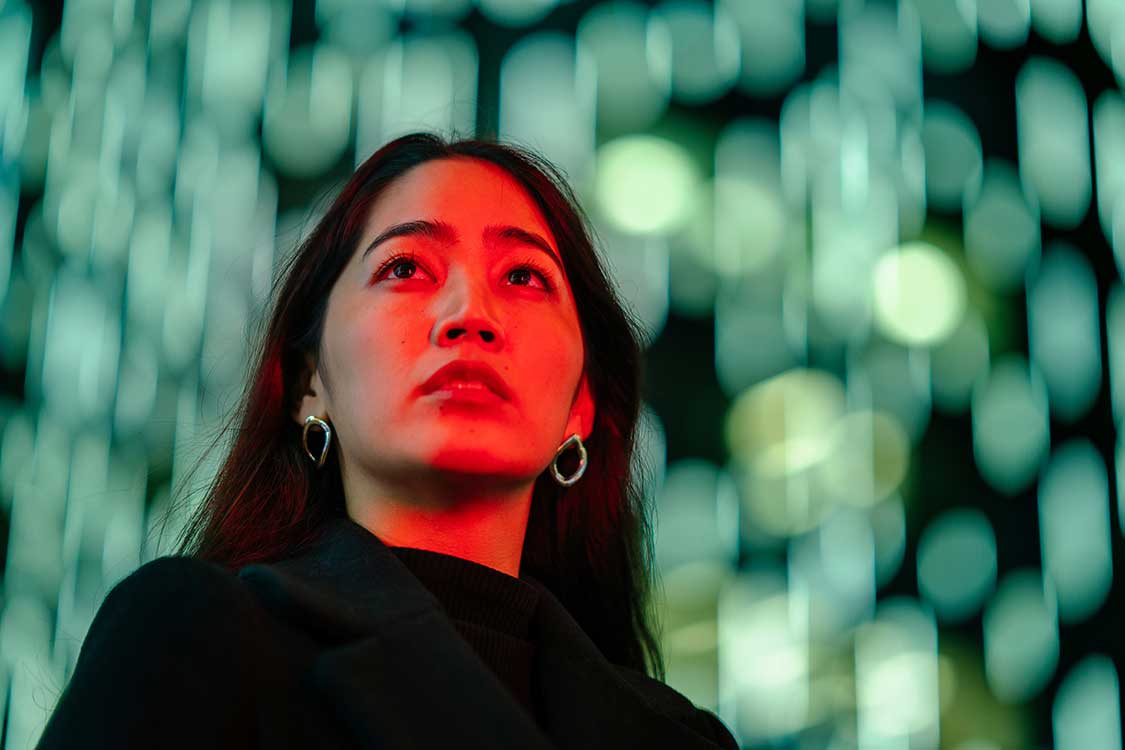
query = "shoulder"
x=174 y=635
x=187 y=582
x=172 y=597
x=178 y=570
x=172 y=615
x=662 y=696
x=675 y=704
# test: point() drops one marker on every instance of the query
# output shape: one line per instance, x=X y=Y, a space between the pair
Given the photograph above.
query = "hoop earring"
x=309 y=422
x=568 y=481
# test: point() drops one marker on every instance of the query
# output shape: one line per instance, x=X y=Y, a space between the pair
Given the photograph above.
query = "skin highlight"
x=456 y=477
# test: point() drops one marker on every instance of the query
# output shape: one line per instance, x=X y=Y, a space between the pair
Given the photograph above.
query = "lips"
x=469 y=371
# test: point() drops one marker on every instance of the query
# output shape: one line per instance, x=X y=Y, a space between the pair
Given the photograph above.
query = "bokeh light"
x=919 y=294
x=957 y=563
x=1021 y=636
x=645 y=185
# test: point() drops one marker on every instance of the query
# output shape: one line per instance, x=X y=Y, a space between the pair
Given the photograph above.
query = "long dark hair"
x=590 y=544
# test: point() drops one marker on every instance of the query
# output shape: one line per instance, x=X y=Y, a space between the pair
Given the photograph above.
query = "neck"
x=485 y=527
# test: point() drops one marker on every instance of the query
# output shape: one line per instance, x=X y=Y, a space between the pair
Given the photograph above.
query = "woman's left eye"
x=528 y=266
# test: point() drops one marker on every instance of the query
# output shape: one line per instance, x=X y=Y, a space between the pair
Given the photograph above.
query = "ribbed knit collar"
x=490 y=609
x=472 y=592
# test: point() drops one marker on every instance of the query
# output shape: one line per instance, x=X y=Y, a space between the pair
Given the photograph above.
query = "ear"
x=312 y=389
x=582 y=411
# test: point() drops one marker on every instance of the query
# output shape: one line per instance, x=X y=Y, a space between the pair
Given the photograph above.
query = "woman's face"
x=461 y=293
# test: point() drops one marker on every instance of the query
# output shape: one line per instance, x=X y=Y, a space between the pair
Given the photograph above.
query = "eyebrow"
x=444 y=233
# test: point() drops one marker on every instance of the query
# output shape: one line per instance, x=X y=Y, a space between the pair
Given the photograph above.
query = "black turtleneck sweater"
x=492 y=611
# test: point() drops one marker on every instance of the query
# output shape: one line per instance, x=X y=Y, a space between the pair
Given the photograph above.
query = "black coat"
x=342 y=647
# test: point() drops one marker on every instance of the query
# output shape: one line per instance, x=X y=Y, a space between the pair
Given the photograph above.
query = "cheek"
x=378 y=357
x=554 y=360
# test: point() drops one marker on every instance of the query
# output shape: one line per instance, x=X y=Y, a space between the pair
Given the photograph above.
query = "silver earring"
x=568 y=481
x=309 y=422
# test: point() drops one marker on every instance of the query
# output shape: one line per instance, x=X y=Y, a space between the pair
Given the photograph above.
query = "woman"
x=426 y=532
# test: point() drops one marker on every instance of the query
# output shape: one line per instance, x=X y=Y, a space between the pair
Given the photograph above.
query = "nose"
x=469 y=329
x=470 y=318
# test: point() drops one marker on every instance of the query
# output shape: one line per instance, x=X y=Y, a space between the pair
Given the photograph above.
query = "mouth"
x=467 y=380
x=466 y=391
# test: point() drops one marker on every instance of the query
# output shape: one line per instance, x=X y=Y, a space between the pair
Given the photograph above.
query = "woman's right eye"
x=395 y=263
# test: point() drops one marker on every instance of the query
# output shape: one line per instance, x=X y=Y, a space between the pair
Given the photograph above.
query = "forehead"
x=469 y=193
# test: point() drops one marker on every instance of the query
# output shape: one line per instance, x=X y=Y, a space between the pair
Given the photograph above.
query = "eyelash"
x=526 y=264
